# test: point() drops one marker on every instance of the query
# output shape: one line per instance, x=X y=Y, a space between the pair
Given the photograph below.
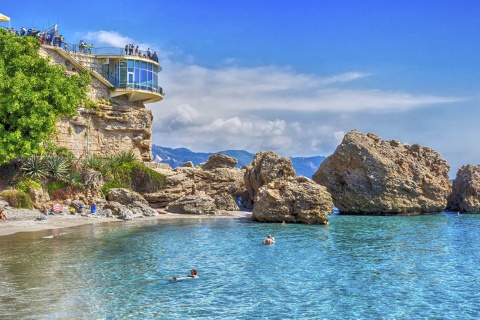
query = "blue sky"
x=294 y=77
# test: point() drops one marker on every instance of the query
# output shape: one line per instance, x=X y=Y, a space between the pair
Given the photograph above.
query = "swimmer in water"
x=269 y=241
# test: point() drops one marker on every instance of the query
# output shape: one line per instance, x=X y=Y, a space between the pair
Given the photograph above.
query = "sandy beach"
x=23 y=220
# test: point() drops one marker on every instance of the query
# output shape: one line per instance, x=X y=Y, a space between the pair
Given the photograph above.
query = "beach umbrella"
x=4 y=18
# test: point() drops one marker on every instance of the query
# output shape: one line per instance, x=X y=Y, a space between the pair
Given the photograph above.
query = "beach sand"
x=23 y=220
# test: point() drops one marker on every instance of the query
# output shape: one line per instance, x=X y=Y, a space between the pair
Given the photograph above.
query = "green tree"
x=34 y=95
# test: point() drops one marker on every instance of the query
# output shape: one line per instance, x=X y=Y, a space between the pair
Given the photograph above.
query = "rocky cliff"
x=367 y=175
x=108 y=125
x=280 y=196
x=465 y=196
x=205 y=189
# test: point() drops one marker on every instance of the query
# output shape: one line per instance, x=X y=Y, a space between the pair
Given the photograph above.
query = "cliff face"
x=107 y=130
x=465 y=196
x=114 y=125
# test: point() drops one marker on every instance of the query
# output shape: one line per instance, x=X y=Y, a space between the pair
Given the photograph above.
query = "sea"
x=357 y=267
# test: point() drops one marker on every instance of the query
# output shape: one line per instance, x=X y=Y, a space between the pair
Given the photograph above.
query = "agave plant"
x=34 y=168
x=95 y=162
x=58 y=167
x=126 y=157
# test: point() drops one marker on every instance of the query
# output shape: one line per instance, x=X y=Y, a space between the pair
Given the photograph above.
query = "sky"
x=294 y=76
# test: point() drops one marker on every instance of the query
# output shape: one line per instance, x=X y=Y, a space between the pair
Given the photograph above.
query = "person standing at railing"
x=60 y=41
x=90 y=47
x=126 y=49
x=23 y=31
x=132 y=47
x=149 y=53
x=136 y=51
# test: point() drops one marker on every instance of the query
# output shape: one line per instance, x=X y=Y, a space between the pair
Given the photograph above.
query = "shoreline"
x=26 y=221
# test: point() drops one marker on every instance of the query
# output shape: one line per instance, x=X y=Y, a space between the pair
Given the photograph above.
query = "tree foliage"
x=34 y=94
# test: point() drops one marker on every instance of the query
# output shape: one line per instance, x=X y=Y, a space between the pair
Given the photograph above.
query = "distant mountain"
x=304 y=166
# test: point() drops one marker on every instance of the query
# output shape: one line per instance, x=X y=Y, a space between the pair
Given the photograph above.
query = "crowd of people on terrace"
x=45 y=37
x=132 y=50
x=58 y=41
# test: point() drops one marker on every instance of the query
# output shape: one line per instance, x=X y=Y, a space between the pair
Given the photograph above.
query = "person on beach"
x=2 y=215
x=269 y=241
x=93 y=207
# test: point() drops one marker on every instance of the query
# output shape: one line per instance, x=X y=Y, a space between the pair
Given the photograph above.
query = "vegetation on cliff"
x=34 y=94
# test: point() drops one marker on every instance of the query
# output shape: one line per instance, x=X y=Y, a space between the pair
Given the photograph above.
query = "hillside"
x=304 y=166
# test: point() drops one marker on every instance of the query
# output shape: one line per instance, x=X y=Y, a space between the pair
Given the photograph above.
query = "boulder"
x=265 y=168
x=367 y=175
x=140 y=208
x=465 y=196
x=296 y=199
x=125 y=196
x=199 y=203
x=217 y=183
x=219 y=161
x=188 y=164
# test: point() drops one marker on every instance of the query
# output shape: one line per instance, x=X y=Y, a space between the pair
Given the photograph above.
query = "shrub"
x=55 y=185
x=17 y=199
x=111 y=185
x=26 y=184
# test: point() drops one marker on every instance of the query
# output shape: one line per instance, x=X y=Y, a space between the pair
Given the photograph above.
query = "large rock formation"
x=280 y=196
x=266 y=167
x=217 y=179
x=296 y=199
x=465 y=196
x=367 y=175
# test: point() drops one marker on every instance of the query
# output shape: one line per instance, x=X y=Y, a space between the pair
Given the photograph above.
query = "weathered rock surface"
x=296 y=199
x=125 y=196
x=465 y=196
x=265 y=168
x=117 y=124
x=367 y=175
x=280 y=196
x=219 y=161
x=221 y=182
x=199 y=203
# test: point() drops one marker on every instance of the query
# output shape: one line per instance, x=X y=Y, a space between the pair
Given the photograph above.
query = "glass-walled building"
x=133 y=76
x=137 y=74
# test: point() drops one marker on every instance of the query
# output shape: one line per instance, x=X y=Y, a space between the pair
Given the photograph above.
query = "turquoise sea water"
x=404 y=267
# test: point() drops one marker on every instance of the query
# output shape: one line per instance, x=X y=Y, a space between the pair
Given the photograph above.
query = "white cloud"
x=271 y=107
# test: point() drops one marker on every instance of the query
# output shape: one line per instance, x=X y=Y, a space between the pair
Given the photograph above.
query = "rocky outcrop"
x=280 y=196
x=199 y=203
x=367 y=175
x=217 y=179
x=465 y=196
x=219 y=161
x=111 y=128
x=296 y=199
x=265 y=168
x=109 y=125
x=125 y=196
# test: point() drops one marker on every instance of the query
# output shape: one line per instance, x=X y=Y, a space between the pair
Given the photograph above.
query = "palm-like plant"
x=34 y=168
x=58 y=167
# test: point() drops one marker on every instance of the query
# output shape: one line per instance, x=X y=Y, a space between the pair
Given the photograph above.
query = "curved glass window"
x=135 y=74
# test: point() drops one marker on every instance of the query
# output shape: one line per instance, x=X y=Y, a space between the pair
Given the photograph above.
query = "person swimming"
x=269 y=241
x=193 y=274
